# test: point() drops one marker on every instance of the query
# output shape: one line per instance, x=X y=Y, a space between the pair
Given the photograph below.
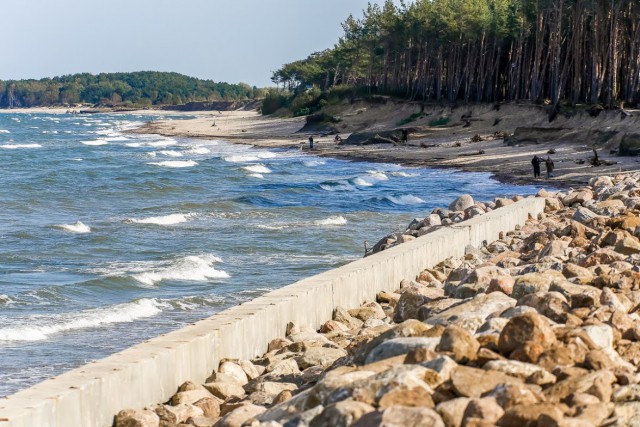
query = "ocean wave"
x=362 y=182
x=199 y=149
x=259 y=168
x=175 y=163
x=190 y=268
x=405 y=199
x=41 y=327
x=404 y=174
x=116 y=137
x=6 y=300
x=256 y=175
x=332 y=220
x=253 y=157
x=163 y=220
x=50 y=132
x=5 y=131
x=16 y=146
x=95 y=142
x=170 y=153
x=312 y=163
x=378 y=175
x=341 y=185
x=158 y=143
x=78 y=228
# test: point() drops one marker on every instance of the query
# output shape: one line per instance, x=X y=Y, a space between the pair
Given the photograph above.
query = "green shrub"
x=442 y=121
x=411 y=118
x=274 y=101
x=302 y=112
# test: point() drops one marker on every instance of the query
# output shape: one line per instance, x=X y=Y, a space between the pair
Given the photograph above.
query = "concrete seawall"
x=151 y=372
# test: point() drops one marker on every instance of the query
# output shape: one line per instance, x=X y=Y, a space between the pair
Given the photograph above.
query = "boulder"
x=461 y=343
x=401 y=416
x=474 y=312
x=452 y=411
x=343 y=413
x=397 y=346
x=234 y=370
x=527 y=327
x=461 y=203
x=133 y=418
x=319 y=356
x=486 y=409
x=412 y=298
x=240 y=415
x=472 y=382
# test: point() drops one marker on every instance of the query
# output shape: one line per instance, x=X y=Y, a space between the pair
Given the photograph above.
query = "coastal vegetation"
x=135 y=89
x=540 y=51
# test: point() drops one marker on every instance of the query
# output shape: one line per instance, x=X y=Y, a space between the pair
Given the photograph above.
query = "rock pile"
x=539 y=328
x=461 y=209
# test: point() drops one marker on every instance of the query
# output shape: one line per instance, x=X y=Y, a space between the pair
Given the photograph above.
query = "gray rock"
x=398 y=346
x=473 y=313
x=461 y=203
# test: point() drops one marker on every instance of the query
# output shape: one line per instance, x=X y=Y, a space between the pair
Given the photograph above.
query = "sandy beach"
x=449 y=146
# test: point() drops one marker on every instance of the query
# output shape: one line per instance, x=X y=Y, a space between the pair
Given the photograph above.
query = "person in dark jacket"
x=536 y=166
x=550 y=166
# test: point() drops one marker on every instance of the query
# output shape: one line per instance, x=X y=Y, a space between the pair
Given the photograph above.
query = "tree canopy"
x=582 y=51
x=144 y=88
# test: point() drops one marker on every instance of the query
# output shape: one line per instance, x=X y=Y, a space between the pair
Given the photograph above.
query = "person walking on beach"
x=536 y=166
x=405 y=136
x=550 y=166
x=311 y=142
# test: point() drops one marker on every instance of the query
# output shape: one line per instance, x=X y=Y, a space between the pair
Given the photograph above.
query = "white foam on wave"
x=159 y=143
x=171 y=153
x=362 y=182
x=50 y=131
x=256 y=175
x=253 y=157
x=404 y=174
x=332 y=220
x=78 y=227
x=175 y=163
x=341 y=185
x=405 y=199
x=259 y=168
x=5 y=131
x=312 y=163
x=17 y=146
x=41 y=327
x=190 y=268
x=115 y=137
x=6 y=300
x=378 y=175
x=163 y=220
x=199 y=149
x=95 y=142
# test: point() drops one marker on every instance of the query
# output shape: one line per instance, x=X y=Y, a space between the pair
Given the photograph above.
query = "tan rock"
x=239 y=416
x=319 y=356
x=459 y=342
x=250 y=370
x=343 y=413
x=535 y=282
x=597 y=383
x=472 y=382
x=628 y=246
x=573 y=270
x=452 y=411
x=278 y=343
x=486 y=409
x=511 y=395
x=133 y=418
x=527 y=327
x=474 y=312
x=404 y=396
x=411 y=299
x=371 y=310
x=225 y=390
x=190 y=396
x=502 y=284
x=404 y=416
x=210 y=407
x=528 y=415
x=343 y=316
x=182 y=412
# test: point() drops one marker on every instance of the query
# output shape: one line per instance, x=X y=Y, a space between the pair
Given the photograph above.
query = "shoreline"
x=449 y=148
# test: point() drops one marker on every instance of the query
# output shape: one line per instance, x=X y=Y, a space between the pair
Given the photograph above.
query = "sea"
x=109 y=238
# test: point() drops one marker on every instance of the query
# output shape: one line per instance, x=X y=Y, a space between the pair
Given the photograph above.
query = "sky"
x=232 y=41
